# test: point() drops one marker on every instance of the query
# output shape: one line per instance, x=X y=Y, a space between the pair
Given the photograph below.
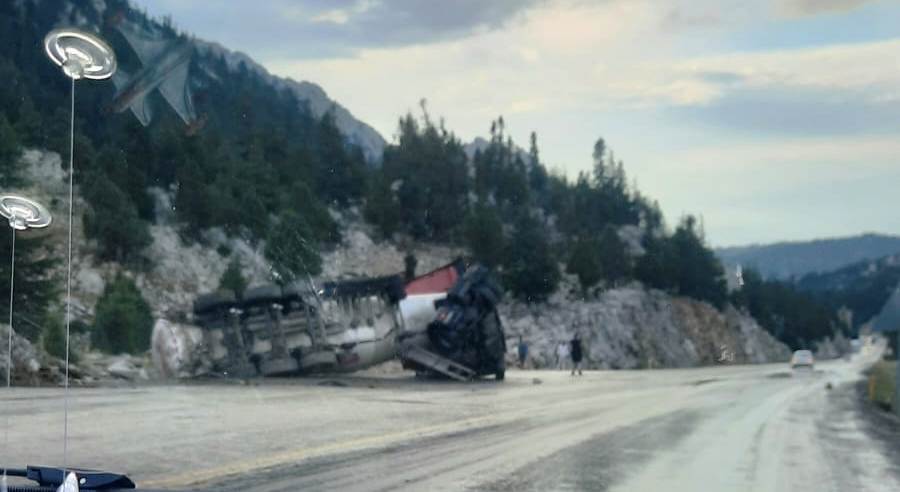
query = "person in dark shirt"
x=576 y=353
x=523 y=352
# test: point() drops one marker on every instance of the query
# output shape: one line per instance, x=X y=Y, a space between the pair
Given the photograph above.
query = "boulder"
x=122 y=367
x=177 y=349
x=26 y=358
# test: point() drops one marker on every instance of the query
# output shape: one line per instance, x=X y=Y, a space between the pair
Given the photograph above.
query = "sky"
x=771 y=119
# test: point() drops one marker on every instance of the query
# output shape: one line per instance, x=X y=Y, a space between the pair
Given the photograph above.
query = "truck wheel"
x=262 y=294
x=214 y=302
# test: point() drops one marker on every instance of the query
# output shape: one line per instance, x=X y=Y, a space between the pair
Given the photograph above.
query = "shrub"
x=530 y=270
x=882 y=385
x=54 y=339
x=293 y=249
x=484 y=235
x=113 y=220
x=123 y=322
x=233 y=279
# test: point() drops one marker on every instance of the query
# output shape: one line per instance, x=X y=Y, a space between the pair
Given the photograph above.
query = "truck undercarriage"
x=347 y=326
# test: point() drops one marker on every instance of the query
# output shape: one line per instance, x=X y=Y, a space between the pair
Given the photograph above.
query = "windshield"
x=506 y=245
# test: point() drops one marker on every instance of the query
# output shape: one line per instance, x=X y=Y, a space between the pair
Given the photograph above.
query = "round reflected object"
x=23 y=213
x=80 y=54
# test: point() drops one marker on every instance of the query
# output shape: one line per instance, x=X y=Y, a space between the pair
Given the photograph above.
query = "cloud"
x=798 y=112
x=842 y=89
x=322 y=29
x=751 y=190
x=584 y=58
x=678 y=17
x=800 y=8
x=720 y=77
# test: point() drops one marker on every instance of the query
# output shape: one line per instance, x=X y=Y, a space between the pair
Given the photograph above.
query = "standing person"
x=523 y=352
x=562 y=353
x=576 y=353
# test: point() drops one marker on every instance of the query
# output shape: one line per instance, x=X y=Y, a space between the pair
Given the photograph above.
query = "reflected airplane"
x=165 y=66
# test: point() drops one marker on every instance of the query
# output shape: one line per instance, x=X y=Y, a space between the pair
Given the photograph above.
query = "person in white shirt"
x=562 y=353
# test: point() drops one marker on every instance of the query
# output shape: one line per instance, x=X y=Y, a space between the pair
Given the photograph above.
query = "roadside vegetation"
x=123 y=322
x=882 y=384
x=862 y=287
x=791 y=315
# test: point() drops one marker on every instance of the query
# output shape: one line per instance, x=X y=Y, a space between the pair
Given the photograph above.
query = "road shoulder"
x=881 y=426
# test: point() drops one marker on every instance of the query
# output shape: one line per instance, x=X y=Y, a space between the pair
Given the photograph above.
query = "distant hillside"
x=862 y=287
x=795 y=259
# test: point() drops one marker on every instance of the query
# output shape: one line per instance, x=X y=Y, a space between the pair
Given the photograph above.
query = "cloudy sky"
x=773 y=119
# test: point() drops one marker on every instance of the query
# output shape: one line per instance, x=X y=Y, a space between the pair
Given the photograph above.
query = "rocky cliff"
x=632 y=327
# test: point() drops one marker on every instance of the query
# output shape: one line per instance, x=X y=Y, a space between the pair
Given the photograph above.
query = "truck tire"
x=262 y=294
x=210 y=303
x=298 y=291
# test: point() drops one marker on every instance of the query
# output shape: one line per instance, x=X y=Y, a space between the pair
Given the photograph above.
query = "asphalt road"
x=749 y=428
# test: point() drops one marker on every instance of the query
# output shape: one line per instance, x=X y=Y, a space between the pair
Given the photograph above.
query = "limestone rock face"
x=177 y=350
x=632 y=327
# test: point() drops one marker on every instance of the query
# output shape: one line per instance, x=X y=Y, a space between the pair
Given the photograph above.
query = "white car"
x=802 y=358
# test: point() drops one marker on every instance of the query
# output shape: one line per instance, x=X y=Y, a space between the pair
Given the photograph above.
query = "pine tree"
x=292 y=249
x=794 y=317
x=35 y=286
x=54 y=336
x=123 y=321
x=113 y=220
x=10 y=151
x=423 y=179
x=584 y=262
x=599 y=155
x=614 y=261
x=28 y=123
x=530 y=271
x=658 y=266
x=233 y=277
x=537 y=175
x=303 y=201
x=382 y=208
x=341 y=174
x=700 y=275
x=484 y=235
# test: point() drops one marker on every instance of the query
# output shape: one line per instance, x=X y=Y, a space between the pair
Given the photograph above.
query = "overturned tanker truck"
x=447 y=326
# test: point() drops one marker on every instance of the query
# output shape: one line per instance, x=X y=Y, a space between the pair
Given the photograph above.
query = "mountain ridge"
x=861 y=288
x=356 y=131
x=788 y=259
